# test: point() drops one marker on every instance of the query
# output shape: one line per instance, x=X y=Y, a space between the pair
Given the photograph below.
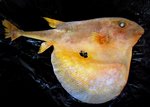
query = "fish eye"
x=122 y=24
x=83 y=54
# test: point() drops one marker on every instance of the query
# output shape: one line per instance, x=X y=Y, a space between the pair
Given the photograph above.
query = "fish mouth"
x=139 y=31
x=137 y=35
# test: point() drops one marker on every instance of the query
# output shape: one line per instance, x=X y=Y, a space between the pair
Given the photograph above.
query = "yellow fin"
x=11 y=31
x=44 y=46
x=52 y=22
x=100 y=38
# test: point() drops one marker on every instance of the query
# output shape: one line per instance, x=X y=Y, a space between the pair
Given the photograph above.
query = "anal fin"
x=44 y=46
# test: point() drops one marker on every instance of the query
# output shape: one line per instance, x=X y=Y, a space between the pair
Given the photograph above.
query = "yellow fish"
x=91 y=58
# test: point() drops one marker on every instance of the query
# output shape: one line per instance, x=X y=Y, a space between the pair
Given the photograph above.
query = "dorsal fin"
x=52 y=22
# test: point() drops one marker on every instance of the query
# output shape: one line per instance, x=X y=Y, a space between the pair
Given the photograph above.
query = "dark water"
x=28 y=78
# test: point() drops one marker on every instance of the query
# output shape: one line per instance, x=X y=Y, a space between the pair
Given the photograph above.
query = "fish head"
x=121 y=30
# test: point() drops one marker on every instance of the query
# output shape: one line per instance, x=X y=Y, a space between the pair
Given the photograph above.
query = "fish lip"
x=140 y=31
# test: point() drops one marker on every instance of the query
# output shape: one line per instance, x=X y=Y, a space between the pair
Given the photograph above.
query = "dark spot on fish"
x=122 y=24
x=83 y=54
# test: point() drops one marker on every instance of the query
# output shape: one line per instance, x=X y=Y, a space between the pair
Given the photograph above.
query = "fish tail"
x=11 y=31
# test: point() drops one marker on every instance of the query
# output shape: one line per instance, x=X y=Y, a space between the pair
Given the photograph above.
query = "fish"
x=91 y=58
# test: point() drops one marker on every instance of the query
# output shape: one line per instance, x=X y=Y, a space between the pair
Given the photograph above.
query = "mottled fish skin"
x=91 y=58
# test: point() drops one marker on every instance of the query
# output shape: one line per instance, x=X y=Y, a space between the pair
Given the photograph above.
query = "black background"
x=27 y=78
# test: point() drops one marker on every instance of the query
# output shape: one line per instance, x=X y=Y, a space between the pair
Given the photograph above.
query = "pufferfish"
x=91 y=58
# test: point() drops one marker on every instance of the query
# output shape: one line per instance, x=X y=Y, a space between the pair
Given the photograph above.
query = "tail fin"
x=11 y=31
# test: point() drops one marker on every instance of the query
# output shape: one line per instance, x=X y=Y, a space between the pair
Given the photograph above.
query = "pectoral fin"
x=45 y=46
x=52 y=22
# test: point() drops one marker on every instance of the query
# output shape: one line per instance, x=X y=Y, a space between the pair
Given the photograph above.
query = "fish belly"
x=89 y=81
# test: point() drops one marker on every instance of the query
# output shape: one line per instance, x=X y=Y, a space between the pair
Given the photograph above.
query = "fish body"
x=91 y=58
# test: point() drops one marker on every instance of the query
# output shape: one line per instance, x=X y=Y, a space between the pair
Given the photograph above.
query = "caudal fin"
x=11 y=31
